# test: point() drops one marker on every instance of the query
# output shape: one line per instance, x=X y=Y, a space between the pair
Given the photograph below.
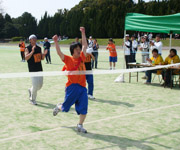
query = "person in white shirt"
x=134 y=48
x=90 y=42
x=144 y=47
x=127 y=49
x=158 y=44
x=150 y=36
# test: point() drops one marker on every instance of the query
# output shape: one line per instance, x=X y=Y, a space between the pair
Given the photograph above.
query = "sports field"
x=124 y=116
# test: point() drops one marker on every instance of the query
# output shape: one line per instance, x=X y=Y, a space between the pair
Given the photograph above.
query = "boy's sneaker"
x=81 y=129
x=56 y=109
x=145 y=77
x=33 y=102
x=91 y=97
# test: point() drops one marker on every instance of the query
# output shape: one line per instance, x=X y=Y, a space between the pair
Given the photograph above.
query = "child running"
x=76 y=92
x=113 y=54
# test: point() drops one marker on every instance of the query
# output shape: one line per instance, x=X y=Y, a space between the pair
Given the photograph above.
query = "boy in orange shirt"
x=76 y=92
x=22 y=49
x=112 y=52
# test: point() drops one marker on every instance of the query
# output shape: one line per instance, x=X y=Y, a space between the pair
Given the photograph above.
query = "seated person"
x=173 y=58
x=156 y=59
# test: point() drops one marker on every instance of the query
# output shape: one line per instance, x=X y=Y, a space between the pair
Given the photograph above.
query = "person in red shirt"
x=76 y=92
x=112 y=53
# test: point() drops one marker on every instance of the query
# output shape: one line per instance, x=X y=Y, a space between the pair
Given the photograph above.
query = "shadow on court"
x=123 y=142
x=45 y=105
x=113 y=102
x=175 y=87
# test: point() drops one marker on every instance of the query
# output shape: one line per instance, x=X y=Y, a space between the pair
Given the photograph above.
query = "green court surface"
x=125 y=116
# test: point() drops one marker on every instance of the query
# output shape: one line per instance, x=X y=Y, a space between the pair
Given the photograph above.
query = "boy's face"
x=157 y=39
x=155 y=54
x=143 y=40
x=33 y=41
x=77 y=52
x=110 y=42
x=172 y=54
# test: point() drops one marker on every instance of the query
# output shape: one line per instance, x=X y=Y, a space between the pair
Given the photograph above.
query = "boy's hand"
x=33 y=49
x=55 y=38
x=82 y=29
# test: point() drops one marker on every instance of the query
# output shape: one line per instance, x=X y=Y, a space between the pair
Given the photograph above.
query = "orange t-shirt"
x=112 y=50
x=88 y=58
x=22 y=47
x=71 y=63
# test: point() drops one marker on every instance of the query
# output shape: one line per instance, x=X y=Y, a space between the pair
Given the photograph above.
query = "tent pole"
x=170 y=41
x=124 y=64
x=120 y=78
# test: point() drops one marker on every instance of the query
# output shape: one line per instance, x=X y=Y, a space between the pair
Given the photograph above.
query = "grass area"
x=118 y=42
x=112 y=121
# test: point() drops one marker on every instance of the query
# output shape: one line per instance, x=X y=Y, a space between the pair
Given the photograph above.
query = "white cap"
x=127 y=35
x=32 y=37
x=45 y=38
x=145 y=35
x=90 y=37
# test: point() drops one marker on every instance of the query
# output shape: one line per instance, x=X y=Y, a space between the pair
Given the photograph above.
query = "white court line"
x=95 y=121
x=94 y=72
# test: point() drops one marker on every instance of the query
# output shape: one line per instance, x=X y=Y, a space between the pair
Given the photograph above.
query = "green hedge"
x=17 y=38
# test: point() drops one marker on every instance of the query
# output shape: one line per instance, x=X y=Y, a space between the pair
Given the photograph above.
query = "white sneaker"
x=33 y=102
x=91 y=97
x=56 y=109
x=81 y=129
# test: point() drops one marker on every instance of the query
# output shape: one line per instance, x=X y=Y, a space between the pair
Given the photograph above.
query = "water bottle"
x=153 y=63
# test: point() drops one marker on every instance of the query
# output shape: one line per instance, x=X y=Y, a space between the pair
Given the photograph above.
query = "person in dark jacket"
x=47 y=46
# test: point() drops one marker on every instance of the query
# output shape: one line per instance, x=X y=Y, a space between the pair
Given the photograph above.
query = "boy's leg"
x=114 y=65
x=149 y=75
x=110 y=62
x=22 y=57
x=49 y=57
x=90 y=84
x=71 y=96
x=96 y=60
x=37 y=83
x=81 y=108
x=81 y=119
x=92 y=63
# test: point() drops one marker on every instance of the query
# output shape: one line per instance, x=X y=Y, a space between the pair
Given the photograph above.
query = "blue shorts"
x=112 y=59
x=76 y=94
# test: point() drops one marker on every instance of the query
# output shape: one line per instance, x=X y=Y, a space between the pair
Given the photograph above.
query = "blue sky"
x=37 y=8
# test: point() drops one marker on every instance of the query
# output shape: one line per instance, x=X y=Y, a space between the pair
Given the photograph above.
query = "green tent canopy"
x=157 y=24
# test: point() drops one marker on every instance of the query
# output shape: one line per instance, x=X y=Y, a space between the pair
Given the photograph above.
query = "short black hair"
x=158 y=35
x=111 y=40
x=174 y=51
x=155 y=50
x=73 y=46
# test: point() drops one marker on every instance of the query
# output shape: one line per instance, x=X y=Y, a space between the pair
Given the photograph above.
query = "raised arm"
x=84 y=41
x=59 y=52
